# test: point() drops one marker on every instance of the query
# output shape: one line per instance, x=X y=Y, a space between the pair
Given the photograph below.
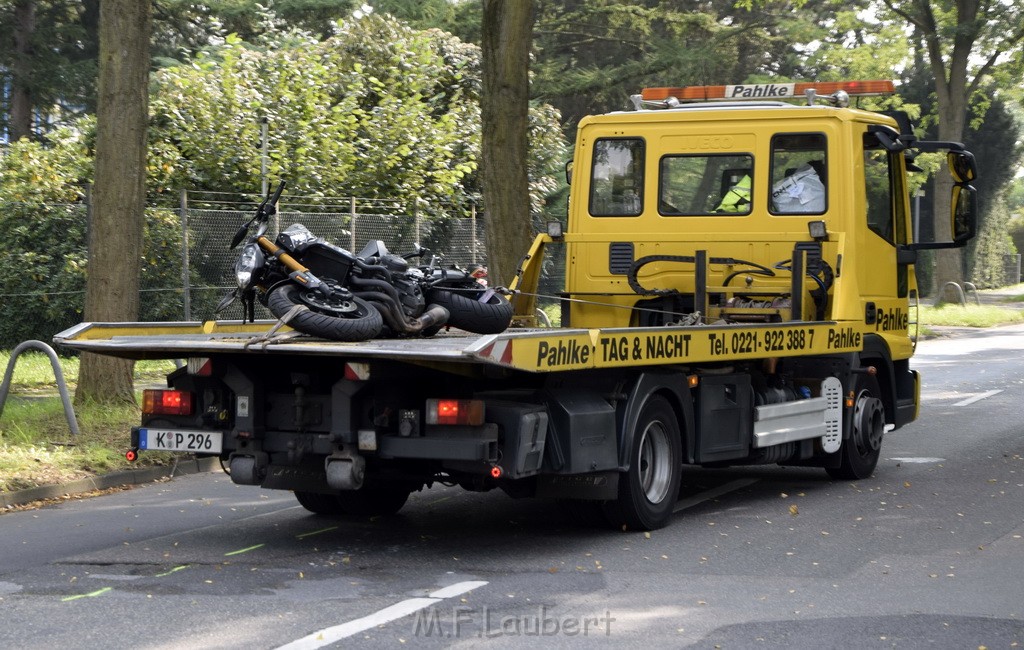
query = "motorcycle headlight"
x=247 y=263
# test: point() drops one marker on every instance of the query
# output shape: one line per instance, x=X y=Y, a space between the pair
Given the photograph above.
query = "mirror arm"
x=932 y=146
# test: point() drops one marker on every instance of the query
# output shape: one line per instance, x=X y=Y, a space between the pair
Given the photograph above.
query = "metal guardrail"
x=58 y=374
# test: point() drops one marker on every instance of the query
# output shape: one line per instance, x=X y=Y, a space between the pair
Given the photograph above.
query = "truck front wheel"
x=860 y=451
x=649 y=489
x=364 y=502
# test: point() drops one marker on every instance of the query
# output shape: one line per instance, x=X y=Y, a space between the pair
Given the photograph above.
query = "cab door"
x=884 y=279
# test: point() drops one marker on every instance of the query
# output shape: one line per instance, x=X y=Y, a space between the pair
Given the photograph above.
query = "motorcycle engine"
x=408 y=286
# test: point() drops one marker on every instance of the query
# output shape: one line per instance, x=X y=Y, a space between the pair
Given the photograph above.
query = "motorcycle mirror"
x=225 y=302
x=239 y=236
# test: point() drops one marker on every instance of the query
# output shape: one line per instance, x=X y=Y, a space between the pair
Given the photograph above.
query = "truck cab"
x=754 y=184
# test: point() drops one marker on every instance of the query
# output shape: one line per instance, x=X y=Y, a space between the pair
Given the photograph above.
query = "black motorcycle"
x=470 y=305
x=326 y=291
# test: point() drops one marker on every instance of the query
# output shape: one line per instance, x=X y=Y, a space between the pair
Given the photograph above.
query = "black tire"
x=359 y=320
x=467 y=312
x=367 y=502
x=860 y=451
x=649 y=489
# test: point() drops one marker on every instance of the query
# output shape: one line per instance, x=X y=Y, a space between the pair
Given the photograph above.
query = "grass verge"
x=36 y=445
x=949 y=315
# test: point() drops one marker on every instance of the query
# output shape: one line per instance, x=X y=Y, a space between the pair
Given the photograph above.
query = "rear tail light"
x=455 y=411
x=166 y=402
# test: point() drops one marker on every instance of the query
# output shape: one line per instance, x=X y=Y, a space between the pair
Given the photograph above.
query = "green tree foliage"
x=44 y=222
x=593 y=54
x=379 y=110
x=184 y=27
x=993 y=245
x=54 y=71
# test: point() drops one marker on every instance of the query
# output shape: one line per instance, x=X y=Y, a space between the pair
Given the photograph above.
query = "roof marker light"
x=672 y=96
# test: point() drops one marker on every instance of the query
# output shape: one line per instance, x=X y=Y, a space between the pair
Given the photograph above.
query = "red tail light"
x=455 y=411
x=166 y=402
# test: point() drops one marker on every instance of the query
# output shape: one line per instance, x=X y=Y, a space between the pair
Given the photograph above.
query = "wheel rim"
x=654 y=462
x=338 y=303
x=869 y=424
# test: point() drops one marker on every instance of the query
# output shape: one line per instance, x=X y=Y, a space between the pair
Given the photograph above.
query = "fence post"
x=352 y=223
x=416 y=219
x=472 y=223
x=185 y=283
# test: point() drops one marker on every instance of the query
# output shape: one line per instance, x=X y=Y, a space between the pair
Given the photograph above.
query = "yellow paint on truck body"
x=553 y=351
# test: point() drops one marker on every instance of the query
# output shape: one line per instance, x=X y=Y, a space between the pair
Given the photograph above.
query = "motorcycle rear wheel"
x=466 y=311
x=359 y=322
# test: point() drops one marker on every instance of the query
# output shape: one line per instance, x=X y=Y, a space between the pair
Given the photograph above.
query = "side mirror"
x=963 y=212
x=568 y=172
x=962 y=166
x=240 y=235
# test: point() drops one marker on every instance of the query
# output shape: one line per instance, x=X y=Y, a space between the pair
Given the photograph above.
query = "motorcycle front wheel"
x=353 y=319
x=480 y=312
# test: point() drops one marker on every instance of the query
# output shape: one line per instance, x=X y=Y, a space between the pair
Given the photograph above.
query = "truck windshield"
x=694 y=185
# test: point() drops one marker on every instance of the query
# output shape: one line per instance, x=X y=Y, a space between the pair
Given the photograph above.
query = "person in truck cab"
x=737 y=199
x=801 y=190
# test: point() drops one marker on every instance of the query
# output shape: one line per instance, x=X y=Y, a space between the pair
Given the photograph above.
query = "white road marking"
x=696 y=499
x=331 y=635
x=921 y=460
x=977 y=398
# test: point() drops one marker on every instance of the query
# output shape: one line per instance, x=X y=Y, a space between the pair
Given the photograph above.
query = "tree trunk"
x=949 y=265
x=20 y=121
x=505 y=43
x=952 y=91
x=119 y=195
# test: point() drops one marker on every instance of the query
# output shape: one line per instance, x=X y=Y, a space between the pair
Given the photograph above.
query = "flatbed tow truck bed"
x=531 y=350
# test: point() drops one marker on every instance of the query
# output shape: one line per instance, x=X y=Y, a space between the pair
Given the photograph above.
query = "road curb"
x=107 y=481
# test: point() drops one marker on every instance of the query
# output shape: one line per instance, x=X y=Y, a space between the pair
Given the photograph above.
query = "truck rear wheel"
x=860 y=451
x=365 y=502
x=649 y=488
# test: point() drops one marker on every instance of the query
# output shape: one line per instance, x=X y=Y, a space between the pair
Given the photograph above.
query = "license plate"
x=205 y=442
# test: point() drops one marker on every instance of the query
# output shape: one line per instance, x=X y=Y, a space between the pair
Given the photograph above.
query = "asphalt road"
x=929 y=553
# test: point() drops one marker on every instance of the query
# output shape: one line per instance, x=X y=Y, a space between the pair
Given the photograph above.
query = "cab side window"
x=799 y=174
x=617 y=178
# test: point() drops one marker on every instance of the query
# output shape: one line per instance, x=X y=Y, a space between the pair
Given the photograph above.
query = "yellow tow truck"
x=739 y=290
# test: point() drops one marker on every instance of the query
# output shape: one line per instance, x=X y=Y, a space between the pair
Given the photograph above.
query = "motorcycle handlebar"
x=277 y=193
